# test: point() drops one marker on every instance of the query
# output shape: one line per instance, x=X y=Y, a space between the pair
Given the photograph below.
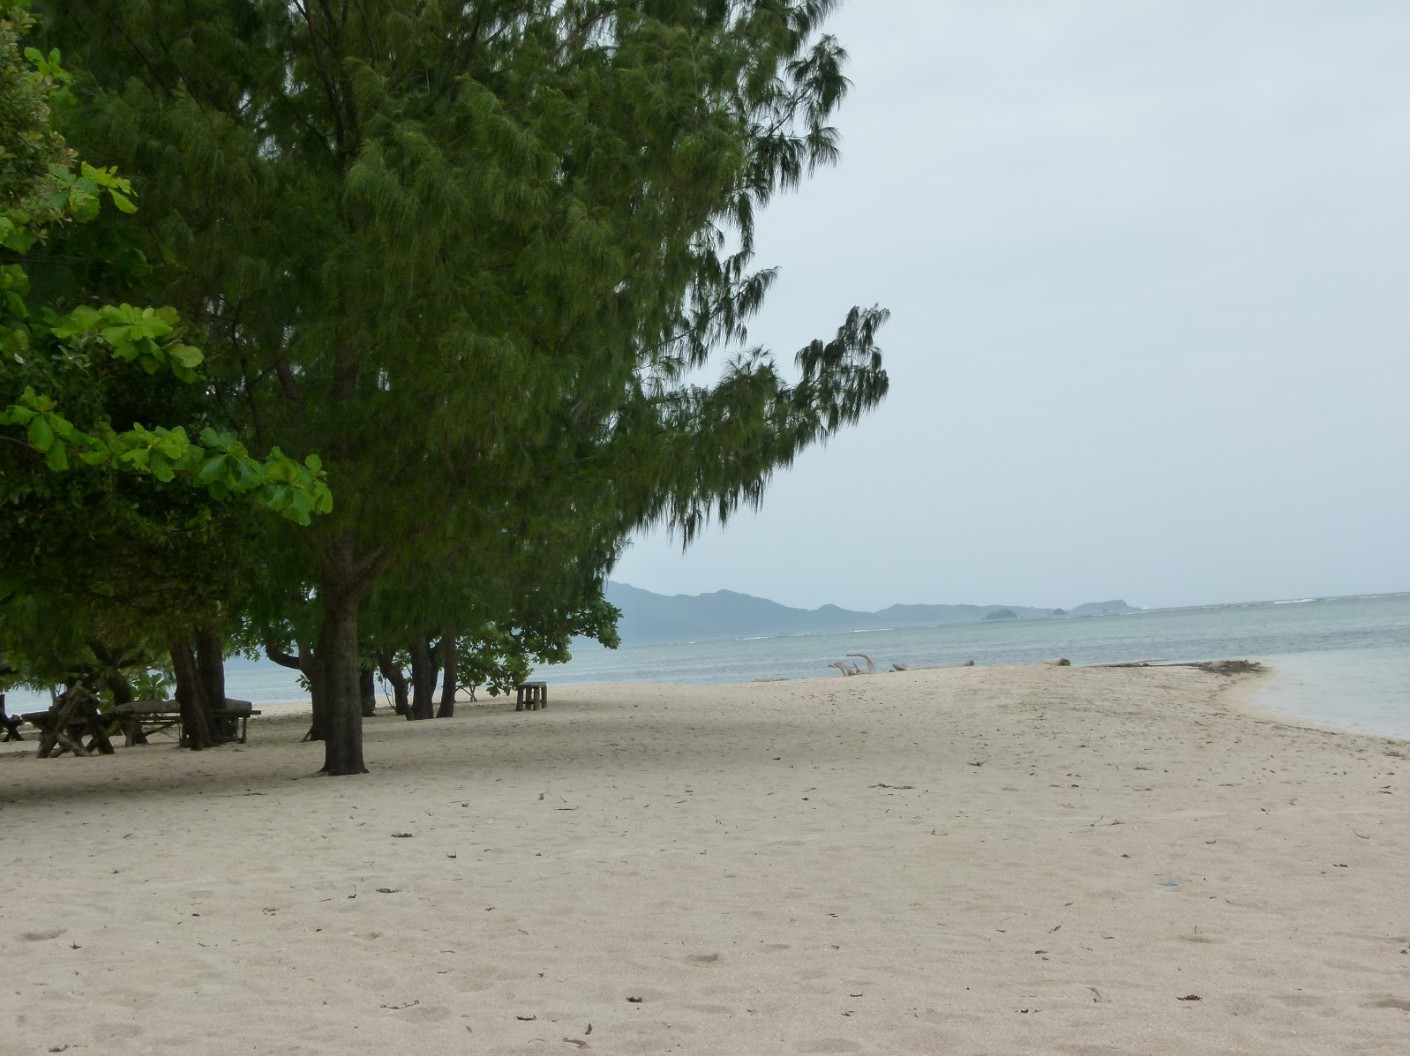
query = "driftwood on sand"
x=871 y=667
x=1133 y=663
x=854 y=669
x=1217 y=667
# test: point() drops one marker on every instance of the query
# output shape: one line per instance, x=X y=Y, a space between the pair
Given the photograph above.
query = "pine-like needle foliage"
x=475 y=253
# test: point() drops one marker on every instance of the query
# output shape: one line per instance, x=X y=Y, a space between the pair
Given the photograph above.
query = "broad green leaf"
x=81 y=320
x=173 y=443
x=185 y=355
x=136 y=457
x=213 y=469
x=57 y=458
x=161 y=468
x=40 y=433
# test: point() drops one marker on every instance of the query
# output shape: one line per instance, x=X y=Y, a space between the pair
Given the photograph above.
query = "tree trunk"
x=318 y=727
x=118 y=685
x=210 y=662
x=368 y=689
x=423 y=681
x=337 y=698
x=111 y=676
x=304 y=664
x=392 y=673
x=449 y=686
x=197 y=724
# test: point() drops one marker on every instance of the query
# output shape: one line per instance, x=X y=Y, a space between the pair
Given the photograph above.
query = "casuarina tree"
x=478 y=255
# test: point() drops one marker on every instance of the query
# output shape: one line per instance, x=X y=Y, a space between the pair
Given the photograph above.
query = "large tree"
x=477 y=254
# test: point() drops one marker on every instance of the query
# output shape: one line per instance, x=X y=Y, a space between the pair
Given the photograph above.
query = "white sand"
x=972 y=861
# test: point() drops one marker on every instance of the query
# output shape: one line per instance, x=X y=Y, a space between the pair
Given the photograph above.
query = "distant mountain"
x=1102 y=608
x=649 y=618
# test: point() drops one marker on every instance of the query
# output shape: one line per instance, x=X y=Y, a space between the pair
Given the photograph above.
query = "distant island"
x=657 y=619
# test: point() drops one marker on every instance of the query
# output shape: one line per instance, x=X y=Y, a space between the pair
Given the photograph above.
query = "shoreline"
x=1241 y=691
x=1007 y=860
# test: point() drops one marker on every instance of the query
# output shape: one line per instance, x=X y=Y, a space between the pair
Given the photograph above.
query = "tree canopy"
x=102 y=509
x=480 y=257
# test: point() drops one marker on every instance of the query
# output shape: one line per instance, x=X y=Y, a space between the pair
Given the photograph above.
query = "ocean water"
x=260 y=681
x=1342 y=662
x=1367 y=690
x=1339 y=661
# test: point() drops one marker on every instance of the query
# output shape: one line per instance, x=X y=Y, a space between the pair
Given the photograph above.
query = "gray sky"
x=1149 y=271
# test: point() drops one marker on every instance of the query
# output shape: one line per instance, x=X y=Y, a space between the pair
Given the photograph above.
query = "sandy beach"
x=966 y=861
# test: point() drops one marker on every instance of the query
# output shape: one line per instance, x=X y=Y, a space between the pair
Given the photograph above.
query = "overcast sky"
x=1148 y=265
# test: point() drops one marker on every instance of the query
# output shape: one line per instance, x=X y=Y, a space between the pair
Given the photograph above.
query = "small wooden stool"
x=532 y=695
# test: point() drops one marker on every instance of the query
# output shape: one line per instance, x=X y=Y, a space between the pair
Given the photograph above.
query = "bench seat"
x=142 y=717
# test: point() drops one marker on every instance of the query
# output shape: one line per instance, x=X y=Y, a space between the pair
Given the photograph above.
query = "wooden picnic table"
x=142 y=717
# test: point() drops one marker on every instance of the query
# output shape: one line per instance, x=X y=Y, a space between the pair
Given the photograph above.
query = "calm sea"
x=1340 y=661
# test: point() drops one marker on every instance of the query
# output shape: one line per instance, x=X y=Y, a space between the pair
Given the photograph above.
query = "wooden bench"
x=232 y=719
x=532 y=695
x=142 y=717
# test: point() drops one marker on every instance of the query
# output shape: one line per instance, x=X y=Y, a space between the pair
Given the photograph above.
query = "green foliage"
x=38 y=185
x=152 y=683
x=215 y=461
x=478 y=255
x=219 y=463
x=98 y=549
x=30 y=149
